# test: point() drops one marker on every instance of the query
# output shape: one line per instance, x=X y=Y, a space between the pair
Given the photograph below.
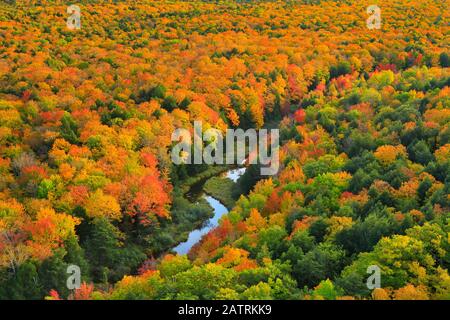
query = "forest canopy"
x=86 y=178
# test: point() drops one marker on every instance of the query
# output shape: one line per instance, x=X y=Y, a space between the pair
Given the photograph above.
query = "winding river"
x=219 y=210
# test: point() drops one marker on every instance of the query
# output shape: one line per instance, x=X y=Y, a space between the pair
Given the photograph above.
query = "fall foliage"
x=86 y=177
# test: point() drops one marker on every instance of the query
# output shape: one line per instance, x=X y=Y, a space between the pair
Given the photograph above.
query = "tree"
x=419 y=152
x=169 y=103
x=363 y=235
x=172 y=265
x=324 y=261
x=402 y=259
x=108 y=257
x=101 y=205
x=342 y=68
x=273 y=237
x=444 y=60
x=325 y=290
x=410 y=292
x=261 y=291
x=387 y=154
x=69 y=129
x=49 y=231
x=203 y=282
x=300 y=116
x=22 y=285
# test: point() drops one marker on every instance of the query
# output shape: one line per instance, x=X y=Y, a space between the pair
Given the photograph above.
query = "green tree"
x=69 y=128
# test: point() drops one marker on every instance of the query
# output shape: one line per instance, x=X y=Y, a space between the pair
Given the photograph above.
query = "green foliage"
x=261 y=291
x=22 y=284
x=69 y=129
x=444 y=60
x=169 y=103
x=108 y=257
x=203 y=282
x=365 y=234
x=342 y=68
x=223 y=189
x=325 y=290
x=324 y=261
x=45 y=186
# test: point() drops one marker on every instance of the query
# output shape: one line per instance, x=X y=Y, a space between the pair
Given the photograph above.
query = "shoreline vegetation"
x=182 y=236
x=209 y=173
x=185 y=203
x=223 y=189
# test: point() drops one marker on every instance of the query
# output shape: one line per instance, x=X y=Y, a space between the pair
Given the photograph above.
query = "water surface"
x=235 y=174
x=196 y=235
x=219 y=210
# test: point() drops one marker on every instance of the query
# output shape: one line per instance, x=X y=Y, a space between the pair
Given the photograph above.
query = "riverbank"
x=217 y=193
x=196 y=235
x=202 y=177
x=221 y=188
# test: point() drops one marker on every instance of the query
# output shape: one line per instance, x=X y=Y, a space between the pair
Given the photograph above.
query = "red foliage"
x=387 y=66
x=273 y=203
x=321 y=87
x=149 y=160
x=151 y=198
x=225 y=229
x=52 y=117
x=26 y=95
x=79 y=194
x=300 y=116
x=54 y=295
x=84 y=292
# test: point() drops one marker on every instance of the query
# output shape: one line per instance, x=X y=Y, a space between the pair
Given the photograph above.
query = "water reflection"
x=196 y=235
x=235 y=174
x=193 y=195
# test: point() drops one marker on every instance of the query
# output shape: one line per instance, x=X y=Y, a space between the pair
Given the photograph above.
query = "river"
x=219 y=210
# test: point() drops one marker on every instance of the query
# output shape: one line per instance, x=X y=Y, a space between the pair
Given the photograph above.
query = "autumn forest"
x=87 y=182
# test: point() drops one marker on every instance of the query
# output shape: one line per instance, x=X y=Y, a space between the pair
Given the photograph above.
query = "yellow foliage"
x=338 y=224
x=255 y=221
x=410 y=292
x=103 y=205
x=387 y=154
x=380 y=294
x=443 y=153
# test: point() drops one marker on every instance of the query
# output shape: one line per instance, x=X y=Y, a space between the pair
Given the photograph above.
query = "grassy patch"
x=222 y=189
x=210 y=172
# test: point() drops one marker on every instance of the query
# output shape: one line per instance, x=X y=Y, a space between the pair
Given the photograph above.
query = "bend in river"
x=219 y=210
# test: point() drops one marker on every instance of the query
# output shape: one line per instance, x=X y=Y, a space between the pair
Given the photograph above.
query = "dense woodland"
x=86 y=118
